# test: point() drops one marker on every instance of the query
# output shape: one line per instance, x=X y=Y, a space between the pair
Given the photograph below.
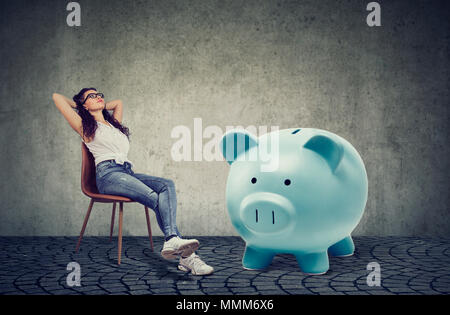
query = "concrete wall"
x=260 y=63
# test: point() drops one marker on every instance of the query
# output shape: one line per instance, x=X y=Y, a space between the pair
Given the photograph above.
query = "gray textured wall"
x=261 y=63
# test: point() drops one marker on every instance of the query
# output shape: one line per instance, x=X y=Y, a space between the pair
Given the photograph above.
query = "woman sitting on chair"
x=107 y=140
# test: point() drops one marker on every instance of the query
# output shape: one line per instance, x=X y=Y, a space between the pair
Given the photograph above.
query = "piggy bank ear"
x=236 y=142
x=327 y=148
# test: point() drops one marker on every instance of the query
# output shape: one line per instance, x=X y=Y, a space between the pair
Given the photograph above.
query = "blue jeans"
x=154 y=192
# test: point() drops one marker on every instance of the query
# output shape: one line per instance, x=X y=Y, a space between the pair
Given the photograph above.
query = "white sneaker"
x=195 y=265
x=177 y=246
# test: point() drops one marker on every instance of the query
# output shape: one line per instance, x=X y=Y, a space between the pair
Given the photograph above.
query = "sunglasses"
x=93 y=95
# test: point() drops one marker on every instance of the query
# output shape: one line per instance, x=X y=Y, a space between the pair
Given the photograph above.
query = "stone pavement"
x=38 y=265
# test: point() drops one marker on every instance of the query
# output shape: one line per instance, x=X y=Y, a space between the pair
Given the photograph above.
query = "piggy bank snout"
x=266 y=212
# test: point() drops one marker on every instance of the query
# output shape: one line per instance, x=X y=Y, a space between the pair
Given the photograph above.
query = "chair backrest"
x=88 y=181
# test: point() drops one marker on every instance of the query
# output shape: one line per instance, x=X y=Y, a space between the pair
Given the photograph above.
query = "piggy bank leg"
x=313 y=264
x=342 y=248
x=255 y=259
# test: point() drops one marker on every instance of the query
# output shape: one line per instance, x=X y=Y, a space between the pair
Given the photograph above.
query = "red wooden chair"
x=89 y=188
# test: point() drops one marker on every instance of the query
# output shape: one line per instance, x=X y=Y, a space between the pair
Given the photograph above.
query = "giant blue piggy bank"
x=295 y=191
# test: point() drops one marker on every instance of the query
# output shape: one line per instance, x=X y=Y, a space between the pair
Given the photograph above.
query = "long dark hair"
x=88 y=121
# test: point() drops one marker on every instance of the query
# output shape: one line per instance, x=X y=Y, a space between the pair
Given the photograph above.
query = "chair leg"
x=112 y=221
x=120 y=230
x=149 y=228
x=86 y=218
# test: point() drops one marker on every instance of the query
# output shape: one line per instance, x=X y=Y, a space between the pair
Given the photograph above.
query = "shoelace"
x=195 y=261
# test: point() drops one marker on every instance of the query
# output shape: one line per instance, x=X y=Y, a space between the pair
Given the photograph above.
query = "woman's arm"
x=65 y=106
x=117 y=107
x=71 y=102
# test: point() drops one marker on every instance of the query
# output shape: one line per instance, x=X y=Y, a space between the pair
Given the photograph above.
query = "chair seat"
x=107 y=198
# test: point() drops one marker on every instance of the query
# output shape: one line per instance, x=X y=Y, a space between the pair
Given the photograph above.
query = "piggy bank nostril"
x=273 y=217
x=256 y=215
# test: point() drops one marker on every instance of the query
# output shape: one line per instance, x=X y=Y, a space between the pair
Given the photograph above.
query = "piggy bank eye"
x=287 y=182
x=253 y=180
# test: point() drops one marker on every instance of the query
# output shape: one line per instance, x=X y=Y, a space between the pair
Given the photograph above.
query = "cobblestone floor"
x=37 y=265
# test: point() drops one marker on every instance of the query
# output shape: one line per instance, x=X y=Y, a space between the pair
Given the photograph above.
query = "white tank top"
x=109 y=143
